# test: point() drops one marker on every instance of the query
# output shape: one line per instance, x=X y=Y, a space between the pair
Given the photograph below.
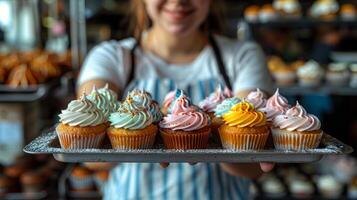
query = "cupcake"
x=273 y=188
x=348 y=12
x=251 y=13
x=169 y=99
x=111 y=97
x=131 y=127
x=329 y=187
x=186 y=127
x=244 y=128
x=101 y=102
x=301 y=189
x=310 y=74
x=257 y=99
x=337 y=74
x=288 y=8
x=275 y=105
x=283 y=74
x=100 y=178
x=324 y=9
x=33 y=181
x=144 y=99
x=209 y=104
x=267 y=13
x=81 y=179
x=296 y=130
x=82 y=125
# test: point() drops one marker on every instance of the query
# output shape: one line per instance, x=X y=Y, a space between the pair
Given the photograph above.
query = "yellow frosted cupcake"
x=244 y=128
x=82 y=125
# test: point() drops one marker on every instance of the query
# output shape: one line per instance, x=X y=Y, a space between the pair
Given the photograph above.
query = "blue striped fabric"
x=179 y=180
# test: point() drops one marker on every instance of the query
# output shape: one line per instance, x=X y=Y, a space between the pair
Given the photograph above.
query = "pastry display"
x=132 y=126
x=273 y=188
x=41 y=67
x=296 y=130
x=275 y=105
x=21 y=76
x=82 y=125
x=244 y=128
x=329 y=187
x=251 y=13
x=348 y=12
x=288 y=8
x=337 y=74
x=268 y=13
x=186 y=127
x=310 y=74
x=324 y=9
x=283 y=74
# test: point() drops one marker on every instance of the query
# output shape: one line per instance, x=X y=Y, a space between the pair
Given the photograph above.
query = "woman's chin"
x=180 y=31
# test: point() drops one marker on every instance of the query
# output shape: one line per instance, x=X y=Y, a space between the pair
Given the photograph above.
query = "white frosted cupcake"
x=310 y=74
x=82 y=125
x=296 y=130
x=337 y=74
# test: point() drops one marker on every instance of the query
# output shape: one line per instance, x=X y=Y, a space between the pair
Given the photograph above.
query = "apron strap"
x=216 y=51
x=219 y=60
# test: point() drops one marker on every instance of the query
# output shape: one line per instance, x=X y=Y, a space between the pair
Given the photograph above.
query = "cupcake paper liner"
x=135 y=139
x=80 y=141
x=196 y=140
x=243 y=141
x=285 y=140
x=81 y=183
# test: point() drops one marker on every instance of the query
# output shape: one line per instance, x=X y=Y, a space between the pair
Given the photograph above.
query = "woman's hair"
x=140 y=21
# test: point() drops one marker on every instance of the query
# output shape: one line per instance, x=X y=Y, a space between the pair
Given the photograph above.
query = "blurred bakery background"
x=311 y=53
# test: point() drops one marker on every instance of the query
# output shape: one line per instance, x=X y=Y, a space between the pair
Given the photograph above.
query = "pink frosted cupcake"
x=185 y=127
x=168 y=101
x=275 y=105
x=257 y=98
x=296 y=130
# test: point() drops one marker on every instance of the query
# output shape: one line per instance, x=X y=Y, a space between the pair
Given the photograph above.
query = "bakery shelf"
x=323 y=89
x=304 y=22
x=48 y=143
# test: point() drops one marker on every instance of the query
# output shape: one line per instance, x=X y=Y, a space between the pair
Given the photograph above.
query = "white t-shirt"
x=245 y=66
x=244 y=61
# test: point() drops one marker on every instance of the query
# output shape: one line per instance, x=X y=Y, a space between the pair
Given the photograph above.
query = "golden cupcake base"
x=247 y=138
x=197 y=139
x=132 y=139
x=295 y=140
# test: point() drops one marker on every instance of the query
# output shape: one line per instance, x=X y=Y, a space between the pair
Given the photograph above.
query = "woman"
x=173 y=48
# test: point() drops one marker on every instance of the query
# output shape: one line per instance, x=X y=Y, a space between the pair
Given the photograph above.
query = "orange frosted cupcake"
x=186 y=127
x=296 y=130
x=131 y=127
x=82 y=125
x=244 y=128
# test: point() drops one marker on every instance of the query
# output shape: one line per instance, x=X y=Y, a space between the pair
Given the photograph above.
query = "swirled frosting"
x=311 y=69
x=225 y=106
x=210 y=103
x=276 y=105
x=130 y=116
x=144 y=99
x=244 y=115
x=82 y=112
x=257 y=99
x=111 y=96
x=170 y=99
x=296 y=118
x=185 y=116
x=101 y=101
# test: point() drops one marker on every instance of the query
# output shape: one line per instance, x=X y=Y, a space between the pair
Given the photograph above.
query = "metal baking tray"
x=48 y=143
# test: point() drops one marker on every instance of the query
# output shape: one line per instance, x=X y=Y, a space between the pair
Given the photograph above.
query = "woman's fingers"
x=267 y=167
x=164 y=165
